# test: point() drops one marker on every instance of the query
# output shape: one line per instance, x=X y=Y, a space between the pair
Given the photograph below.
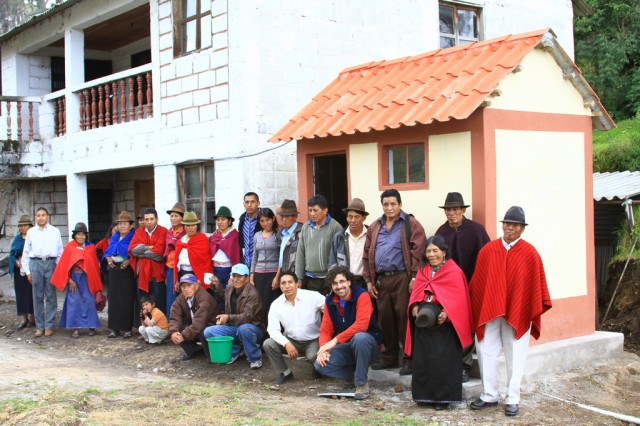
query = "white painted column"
x=74 y=75
x=77 y=203
x=165 y=181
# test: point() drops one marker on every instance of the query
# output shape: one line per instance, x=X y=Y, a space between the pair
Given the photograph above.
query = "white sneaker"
x=255 y=364
x=234 y=358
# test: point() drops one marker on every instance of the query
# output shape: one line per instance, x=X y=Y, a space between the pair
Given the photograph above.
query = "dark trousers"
x=393 y=299
x=316 y=284
x=191 y=347
x=467 y=355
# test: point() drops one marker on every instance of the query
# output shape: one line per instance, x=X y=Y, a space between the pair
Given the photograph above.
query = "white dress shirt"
x=300 y=321
x=42 y=243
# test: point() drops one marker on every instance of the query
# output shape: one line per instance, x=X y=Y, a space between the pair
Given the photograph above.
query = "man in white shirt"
x=348 y=246
x=42 y=250
x=299 y=313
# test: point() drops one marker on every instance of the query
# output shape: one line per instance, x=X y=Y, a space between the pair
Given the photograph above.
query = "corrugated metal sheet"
x=440 y=85
x=616 y=185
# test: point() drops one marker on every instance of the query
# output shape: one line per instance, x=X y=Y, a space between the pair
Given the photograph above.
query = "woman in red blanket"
x=436 y=351
x=192 y=252
x=79 y=272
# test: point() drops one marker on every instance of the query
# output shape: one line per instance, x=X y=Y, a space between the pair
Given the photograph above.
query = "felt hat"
x=224 y=211
x=240 y=269
x=428 y=315
x=454 y=199
x=288 y=208
x=177 y=208
x=80 y=227
x=188 y=278
x=356 y=205
x=25 y=220
x=125 y=216
x=515 y=214
x=190 y=218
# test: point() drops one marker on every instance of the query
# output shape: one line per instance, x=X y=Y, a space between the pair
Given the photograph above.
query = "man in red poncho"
x=508 y=295
x=145 y=254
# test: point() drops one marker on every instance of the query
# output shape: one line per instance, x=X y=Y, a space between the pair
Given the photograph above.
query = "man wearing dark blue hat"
x=508 y=296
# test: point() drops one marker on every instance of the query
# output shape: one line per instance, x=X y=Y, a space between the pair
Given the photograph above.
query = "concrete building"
x=121 y=104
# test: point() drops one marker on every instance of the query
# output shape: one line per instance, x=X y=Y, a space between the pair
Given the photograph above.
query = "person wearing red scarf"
x=79 y=272
x=192 y=252
x=436 y=350
x=508 y=295
x=174 y=233
x=146 y=251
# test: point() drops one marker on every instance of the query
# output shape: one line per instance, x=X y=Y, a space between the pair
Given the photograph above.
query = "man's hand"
x=177 y=338
x=373 y=291
x=222 y=319
x=328 y=346
x=291 y=350
x=323 y=358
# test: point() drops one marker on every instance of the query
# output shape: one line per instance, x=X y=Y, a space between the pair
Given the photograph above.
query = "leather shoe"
x=39 y=333
x=479 y=404
x=48 y=333
x=441 y=407
x=465 y=375
x=284 y=377
x=511 y=410
x=23 y=325
x=383 y=366
x=406 y=370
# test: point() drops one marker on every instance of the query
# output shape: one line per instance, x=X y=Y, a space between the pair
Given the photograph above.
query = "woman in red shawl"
x=192 y=253
x=79 y=272
x=436 y=351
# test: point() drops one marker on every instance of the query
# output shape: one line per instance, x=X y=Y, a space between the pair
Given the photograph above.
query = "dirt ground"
x=95 y=381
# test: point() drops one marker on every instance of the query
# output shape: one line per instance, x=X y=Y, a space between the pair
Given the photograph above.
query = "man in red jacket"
x=146 y=256
x=508 y=295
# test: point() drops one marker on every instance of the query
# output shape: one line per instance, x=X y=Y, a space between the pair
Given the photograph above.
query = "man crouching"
x=349 y=333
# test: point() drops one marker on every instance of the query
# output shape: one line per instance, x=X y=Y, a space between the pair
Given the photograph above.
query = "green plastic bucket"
x=220 y=349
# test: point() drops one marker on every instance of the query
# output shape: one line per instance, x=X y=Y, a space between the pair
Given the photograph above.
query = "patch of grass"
x=617 y=149
x=626 y=238
x=18 y=405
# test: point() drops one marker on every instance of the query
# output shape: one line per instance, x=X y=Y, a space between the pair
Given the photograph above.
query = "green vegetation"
x=617 y=149
x=626 y=238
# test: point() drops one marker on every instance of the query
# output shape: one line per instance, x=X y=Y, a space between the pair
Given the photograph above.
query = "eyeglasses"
x=340 y=282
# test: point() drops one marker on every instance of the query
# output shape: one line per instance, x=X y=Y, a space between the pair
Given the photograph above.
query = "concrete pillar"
x=77 y=203
x=74 y=75
x=165 y=180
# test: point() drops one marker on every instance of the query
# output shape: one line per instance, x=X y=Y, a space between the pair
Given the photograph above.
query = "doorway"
x=99 y=201
x=330 y=180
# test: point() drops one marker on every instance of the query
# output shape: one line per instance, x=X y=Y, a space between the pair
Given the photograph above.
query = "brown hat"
x=125 y=216
x=288 y=208
x=25 y=220
x=190 y=218
x=177 y=208
x=356 y=205
x=454 y=199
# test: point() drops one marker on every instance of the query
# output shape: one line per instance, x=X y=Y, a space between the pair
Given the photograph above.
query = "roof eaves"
x=53 y=10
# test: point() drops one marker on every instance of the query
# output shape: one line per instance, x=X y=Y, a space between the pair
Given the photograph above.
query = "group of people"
x=383 y=296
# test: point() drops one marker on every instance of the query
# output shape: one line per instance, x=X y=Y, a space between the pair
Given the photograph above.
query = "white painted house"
x=120 y=104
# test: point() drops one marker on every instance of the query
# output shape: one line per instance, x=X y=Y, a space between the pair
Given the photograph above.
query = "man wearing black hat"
x=347 y=246
x=288 y=236
x=508 y=296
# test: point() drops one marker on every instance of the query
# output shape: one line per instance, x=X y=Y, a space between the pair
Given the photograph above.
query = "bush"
x=618 y=149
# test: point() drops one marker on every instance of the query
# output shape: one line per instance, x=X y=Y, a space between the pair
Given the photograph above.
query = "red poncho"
x=228 y=243
x=509 y=284
x=148 y=269
x=86 y=259
x=199 y=256
x=449 y=286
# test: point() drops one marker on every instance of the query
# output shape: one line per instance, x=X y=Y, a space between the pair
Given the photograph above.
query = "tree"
x=17 y=12
x=608 y=52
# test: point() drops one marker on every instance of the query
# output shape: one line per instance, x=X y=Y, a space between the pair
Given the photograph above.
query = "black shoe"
x=511 y=410
x=479 y=404
x=440 y=407
x=465 y=375
x=23 y=325
x=406 y=370
x=284 y=377
x=383 y=366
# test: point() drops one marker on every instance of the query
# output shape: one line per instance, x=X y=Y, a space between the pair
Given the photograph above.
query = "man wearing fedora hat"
x=288 y=236
x=176 y=214
x=348 y=246
x=42 y=251
x=465 y=238
x=508 y=296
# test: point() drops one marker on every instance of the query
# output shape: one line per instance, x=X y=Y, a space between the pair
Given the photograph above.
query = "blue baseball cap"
x=240 y=269
x=188 y=278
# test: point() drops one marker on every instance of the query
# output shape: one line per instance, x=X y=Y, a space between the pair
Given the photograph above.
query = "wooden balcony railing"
x=18 y=113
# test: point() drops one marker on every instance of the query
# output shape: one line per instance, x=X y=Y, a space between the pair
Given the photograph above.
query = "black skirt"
x=437 y=365
x=121 y=298
x=24 y=293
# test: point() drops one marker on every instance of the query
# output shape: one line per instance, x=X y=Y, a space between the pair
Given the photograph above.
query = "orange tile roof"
x=435 y=86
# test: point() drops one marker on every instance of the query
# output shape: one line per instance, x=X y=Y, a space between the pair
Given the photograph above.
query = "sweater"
x=314 y=247
x=266 y=253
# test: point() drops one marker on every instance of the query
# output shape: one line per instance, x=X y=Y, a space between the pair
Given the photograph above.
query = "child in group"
x=154 y=327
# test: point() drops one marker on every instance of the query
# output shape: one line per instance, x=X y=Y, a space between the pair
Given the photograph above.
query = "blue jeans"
x=171 y=295
x=351 y=360
x=248 y=335
x=45 y=303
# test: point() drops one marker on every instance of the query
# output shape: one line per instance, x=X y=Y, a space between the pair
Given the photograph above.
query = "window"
x=404 y=165
x=191 y=25
x=197 y=190
x=458 y=25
